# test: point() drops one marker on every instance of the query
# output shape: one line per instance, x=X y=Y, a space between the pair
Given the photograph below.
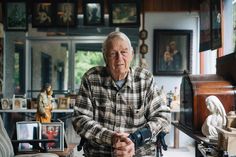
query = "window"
x=234 y=21
x=84 y=60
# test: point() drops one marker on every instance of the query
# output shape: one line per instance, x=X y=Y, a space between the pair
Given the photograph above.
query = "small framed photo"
x=27 y=130
x=5 y=104
x=64 y=103
x=16 y=15
x=19 y=103
x=172 y=52
x=51 y=131
x=93 y=12
x=124 y=13
x=66 y=13
x=42 y=13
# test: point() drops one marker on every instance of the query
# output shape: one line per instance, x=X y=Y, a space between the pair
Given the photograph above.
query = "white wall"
x=169 y=20
x=182 y=21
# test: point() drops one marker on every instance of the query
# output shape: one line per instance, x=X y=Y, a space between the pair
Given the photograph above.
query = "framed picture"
x=216 y=39
x=93 y=12
x=172 y=52
x=66 y=13
x=27 y=130
x=5 y=104
x=124 y=13
x=42 y=13
x=16 y=16
x=51 y=131
x=19 y=102
x=64 y=103
x=205 y=25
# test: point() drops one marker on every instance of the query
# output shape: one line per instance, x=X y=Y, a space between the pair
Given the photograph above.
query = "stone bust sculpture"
x=217 y=117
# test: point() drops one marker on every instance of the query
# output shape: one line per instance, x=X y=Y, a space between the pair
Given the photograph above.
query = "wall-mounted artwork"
x=172 y=52
x=42 y=14
x=93 y=12
x=216 y=39
x=205 y=26
x=66 y=13
x=16 y=16
x=124 y=13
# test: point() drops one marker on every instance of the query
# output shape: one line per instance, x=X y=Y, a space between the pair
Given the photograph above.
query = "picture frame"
x=63 y=103
x=27 y=130
x=19 y=102
x=66 y=13
x=42 y=13
x=5 y=104
x=216 y=20
x=51 y=131
x=205 y=25
x=172 y=52
x=124 y=13
x=93 y=11
x=16 y=12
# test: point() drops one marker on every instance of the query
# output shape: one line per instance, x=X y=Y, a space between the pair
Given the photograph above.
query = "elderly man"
x=118 y=110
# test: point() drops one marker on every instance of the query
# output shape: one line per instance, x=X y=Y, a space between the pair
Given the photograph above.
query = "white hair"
x=112 y=36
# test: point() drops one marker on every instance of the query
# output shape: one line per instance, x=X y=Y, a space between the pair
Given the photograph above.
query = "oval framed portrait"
x=143 y=34
x=143 y=48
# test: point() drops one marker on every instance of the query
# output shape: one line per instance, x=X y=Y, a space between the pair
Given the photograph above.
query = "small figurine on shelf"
x=169 y=97
x=217 y=117
x=44 y=107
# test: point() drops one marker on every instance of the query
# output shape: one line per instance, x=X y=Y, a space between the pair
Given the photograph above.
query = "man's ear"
x=104 y=57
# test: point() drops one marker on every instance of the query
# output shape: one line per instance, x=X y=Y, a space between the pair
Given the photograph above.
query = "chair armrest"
x=35 y=143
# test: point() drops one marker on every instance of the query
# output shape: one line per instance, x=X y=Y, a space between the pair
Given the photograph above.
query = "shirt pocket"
x=103 y=109
x=137 y=116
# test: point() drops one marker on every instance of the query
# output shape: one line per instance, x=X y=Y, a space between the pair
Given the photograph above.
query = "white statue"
x=217 y=118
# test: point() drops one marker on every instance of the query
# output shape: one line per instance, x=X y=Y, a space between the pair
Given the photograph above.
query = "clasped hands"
x=123 y=146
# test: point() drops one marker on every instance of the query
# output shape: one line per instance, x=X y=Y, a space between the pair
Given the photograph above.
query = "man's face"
x=119 y=56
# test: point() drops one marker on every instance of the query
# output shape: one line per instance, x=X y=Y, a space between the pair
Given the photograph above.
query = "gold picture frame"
x=64 y=103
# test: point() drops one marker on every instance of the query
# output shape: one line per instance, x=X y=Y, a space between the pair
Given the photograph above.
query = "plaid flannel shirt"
x=102 y=109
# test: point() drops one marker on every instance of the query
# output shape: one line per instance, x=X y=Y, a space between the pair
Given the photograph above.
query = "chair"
x=6 y=147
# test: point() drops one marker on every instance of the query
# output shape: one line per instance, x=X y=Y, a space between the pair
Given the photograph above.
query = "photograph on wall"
x=42 y=14
x=53 y=131
x=27 y=130
x=216 y=24
x=205 y=26
x=124 y=13
x=16 y=16
x=93 y=12
x=66 y=14
x=172 y=52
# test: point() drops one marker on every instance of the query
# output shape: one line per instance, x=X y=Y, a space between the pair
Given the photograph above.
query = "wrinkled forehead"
x=118 y=42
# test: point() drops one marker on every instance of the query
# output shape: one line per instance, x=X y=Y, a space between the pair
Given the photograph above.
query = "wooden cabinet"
x=194 y=90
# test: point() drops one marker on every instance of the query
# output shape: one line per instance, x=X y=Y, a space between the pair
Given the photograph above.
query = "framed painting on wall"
x=16 y=16
x=124 y=13
x=205 y=26
x=93 y=12
x=216 y=39
x=42 y=13
x=172 y=52
x=66 y=13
